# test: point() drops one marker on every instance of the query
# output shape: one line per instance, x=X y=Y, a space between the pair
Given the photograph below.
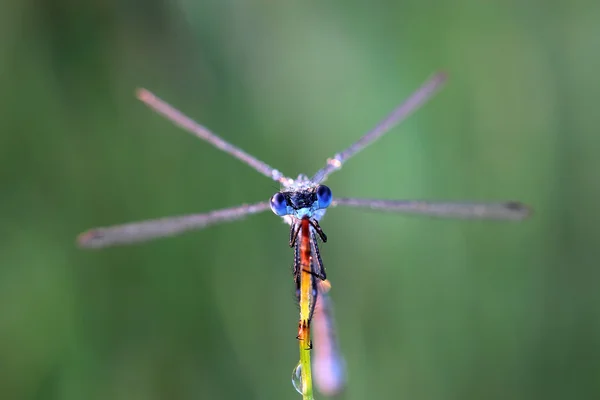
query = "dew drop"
x=297 y=378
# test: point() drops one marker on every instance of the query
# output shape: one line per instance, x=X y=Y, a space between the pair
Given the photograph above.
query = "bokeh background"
x=426 y=309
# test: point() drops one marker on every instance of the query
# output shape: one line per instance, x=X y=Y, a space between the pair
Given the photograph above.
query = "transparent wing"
x=170 y=226
x=416 y=100
x=183 y=121
x=509 y=210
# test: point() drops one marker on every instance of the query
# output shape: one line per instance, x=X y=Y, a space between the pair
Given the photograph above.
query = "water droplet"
x=297 y=378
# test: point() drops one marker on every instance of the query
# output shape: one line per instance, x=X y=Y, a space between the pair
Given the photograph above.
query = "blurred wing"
x=509 y=210
x=407 y=107
x=170 y=226
x=329 y=365
x=188 y=124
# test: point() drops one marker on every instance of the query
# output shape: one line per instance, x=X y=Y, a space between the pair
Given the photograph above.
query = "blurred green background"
x=426 y=309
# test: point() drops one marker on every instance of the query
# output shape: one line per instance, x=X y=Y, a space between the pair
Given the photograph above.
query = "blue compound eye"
x=279 y=204
x=323 y=196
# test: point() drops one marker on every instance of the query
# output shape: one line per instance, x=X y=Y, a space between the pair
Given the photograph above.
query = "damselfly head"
x=301 y=203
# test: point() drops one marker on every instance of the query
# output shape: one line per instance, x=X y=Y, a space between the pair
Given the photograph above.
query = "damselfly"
x=301 y=202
